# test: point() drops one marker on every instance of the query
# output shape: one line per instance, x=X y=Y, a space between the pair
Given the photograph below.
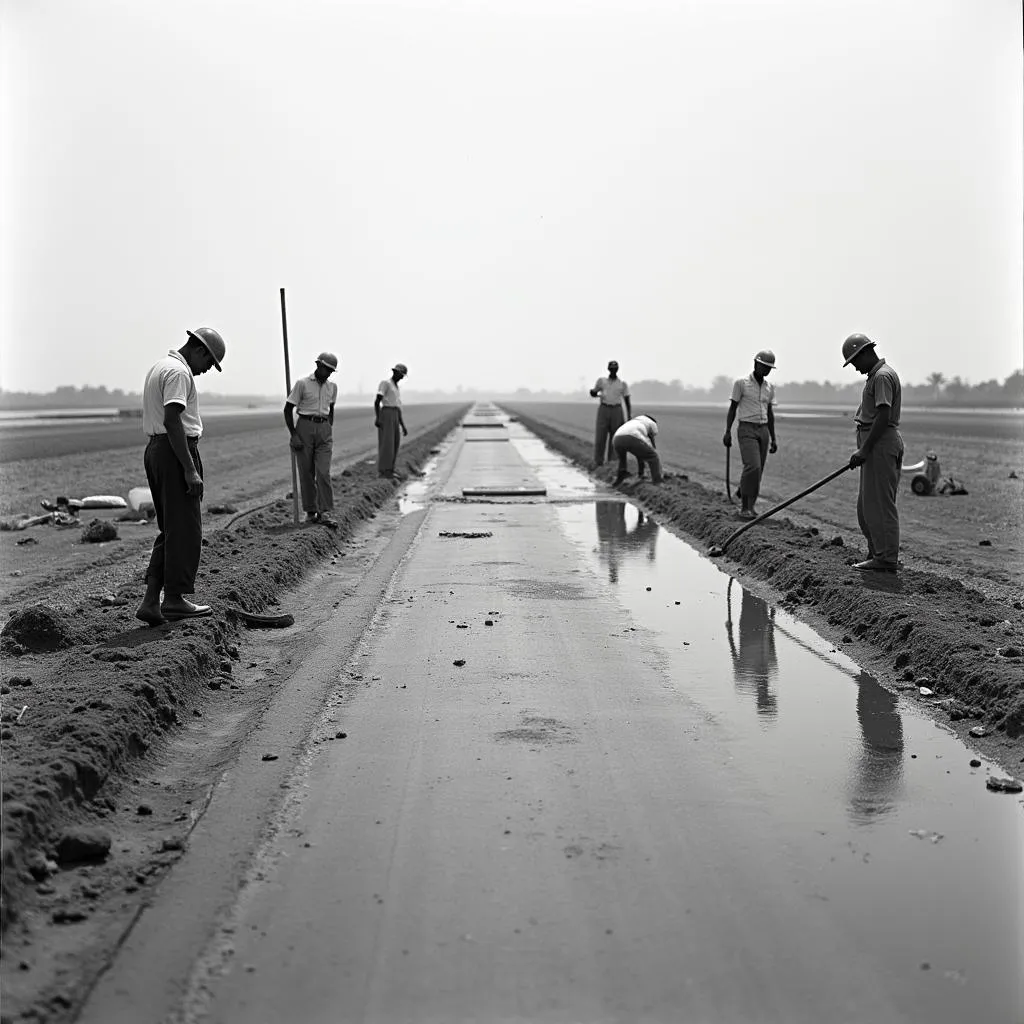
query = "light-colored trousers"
x=644 y=453
x=753 y=439
x=314 y=463
x=877 y=514
x=609 y=419
x=389 y=437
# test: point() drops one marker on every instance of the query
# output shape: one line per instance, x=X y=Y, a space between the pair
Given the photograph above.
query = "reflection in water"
x=878 y=773
x=754 y=661
x=615 y=540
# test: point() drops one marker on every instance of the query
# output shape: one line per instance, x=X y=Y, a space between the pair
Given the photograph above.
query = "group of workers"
x=879 y=451
x=174 y=469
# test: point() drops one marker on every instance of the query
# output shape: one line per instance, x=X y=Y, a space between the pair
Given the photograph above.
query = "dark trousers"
x=645 y=454
x=315 y=465
x=877 y=514
x=753 y=439
x=389 y=437
x=179 y=544
x=609 y=419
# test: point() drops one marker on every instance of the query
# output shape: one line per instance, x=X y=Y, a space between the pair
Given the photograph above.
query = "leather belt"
x=314 y=419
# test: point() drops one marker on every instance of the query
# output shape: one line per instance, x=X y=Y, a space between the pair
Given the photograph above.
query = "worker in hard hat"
x=174 y=471
x=753 y=404
x=612 y=392
x=879 y=454
x=387 y=418
x=312 y=437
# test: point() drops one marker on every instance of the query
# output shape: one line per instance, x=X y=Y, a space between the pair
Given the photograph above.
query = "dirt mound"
x=41 y=629
x=99 y=531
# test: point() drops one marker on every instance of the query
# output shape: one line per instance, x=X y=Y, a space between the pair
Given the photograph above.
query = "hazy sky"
x=509 y=193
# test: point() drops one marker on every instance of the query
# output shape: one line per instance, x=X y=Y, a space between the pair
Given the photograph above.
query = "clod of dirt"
x=488 y=622
x=20 y=681
x=979 y=731
x=1000 y=785
x=112 y=601
x=459 y=662
x=467 y=534
x=837 y=541
x=221 y=510
x=924 y=691
x=144 y=810
x=68 y=916
x=25 y=541
x=99 y=531
x=984 y=543
x=1004 y=652
x=1013 y=475
x=83 y=844
x=39 y=866
x=269 y=757
x=39 y=628
x=341 y=735
x=975 y=763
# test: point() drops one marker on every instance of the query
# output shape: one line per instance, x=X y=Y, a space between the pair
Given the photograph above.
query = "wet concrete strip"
x=812 y=809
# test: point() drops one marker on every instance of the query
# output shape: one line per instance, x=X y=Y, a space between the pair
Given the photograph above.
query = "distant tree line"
x=68 y=396
x=937 y=390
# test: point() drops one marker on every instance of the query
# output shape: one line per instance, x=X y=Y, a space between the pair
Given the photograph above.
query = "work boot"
x=312 y=517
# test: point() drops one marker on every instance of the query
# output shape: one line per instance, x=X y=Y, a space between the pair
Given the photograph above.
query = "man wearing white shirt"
x=387 y=418
x=636 y=437
x=753 y=403
x=174 y=471
x=612 y=391
x=312 y=439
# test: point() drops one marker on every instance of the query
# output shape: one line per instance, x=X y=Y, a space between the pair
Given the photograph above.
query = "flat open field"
x=939 y=533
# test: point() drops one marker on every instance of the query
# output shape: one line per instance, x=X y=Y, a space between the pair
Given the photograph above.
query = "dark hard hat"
x=211 y=341
x=328 y=359
x=855 y=343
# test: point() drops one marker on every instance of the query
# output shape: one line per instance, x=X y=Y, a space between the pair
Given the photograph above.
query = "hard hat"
x=613 y=362
x=766 y=357
x=328 y=359
x=400 y=368
x=855 y=343
x=211 y=341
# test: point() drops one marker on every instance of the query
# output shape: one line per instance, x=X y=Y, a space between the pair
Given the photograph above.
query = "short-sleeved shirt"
x=642 y=427
x=881 y=388
x=170 y=382
x=612 y=390
x=753 y=399
x=388 y=391
x=311 y=398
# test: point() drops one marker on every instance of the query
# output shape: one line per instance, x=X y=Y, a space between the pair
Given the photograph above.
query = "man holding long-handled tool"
x=753 y=402
x=312 y=399
x=879 y=454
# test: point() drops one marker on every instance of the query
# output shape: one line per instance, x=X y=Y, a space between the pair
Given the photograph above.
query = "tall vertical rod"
x=288 y=391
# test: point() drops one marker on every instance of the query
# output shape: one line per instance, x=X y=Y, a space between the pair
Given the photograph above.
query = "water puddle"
x=920 y=857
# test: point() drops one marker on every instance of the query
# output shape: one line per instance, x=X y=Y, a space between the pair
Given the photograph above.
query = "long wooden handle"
x=288 y=391
x=785 y=504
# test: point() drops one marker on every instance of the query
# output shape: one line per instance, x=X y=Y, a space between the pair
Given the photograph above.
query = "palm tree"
x=936 y=380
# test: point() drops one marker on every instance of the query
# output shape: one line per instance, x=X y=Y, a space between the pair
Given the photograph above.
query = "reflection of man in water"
x=754 y=662
x=614 y=538
x=878 y=774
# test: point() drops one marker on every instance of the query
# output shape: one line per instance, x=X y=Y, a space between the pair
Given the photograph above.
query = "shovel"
x=728 y=485
x=715 y=551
